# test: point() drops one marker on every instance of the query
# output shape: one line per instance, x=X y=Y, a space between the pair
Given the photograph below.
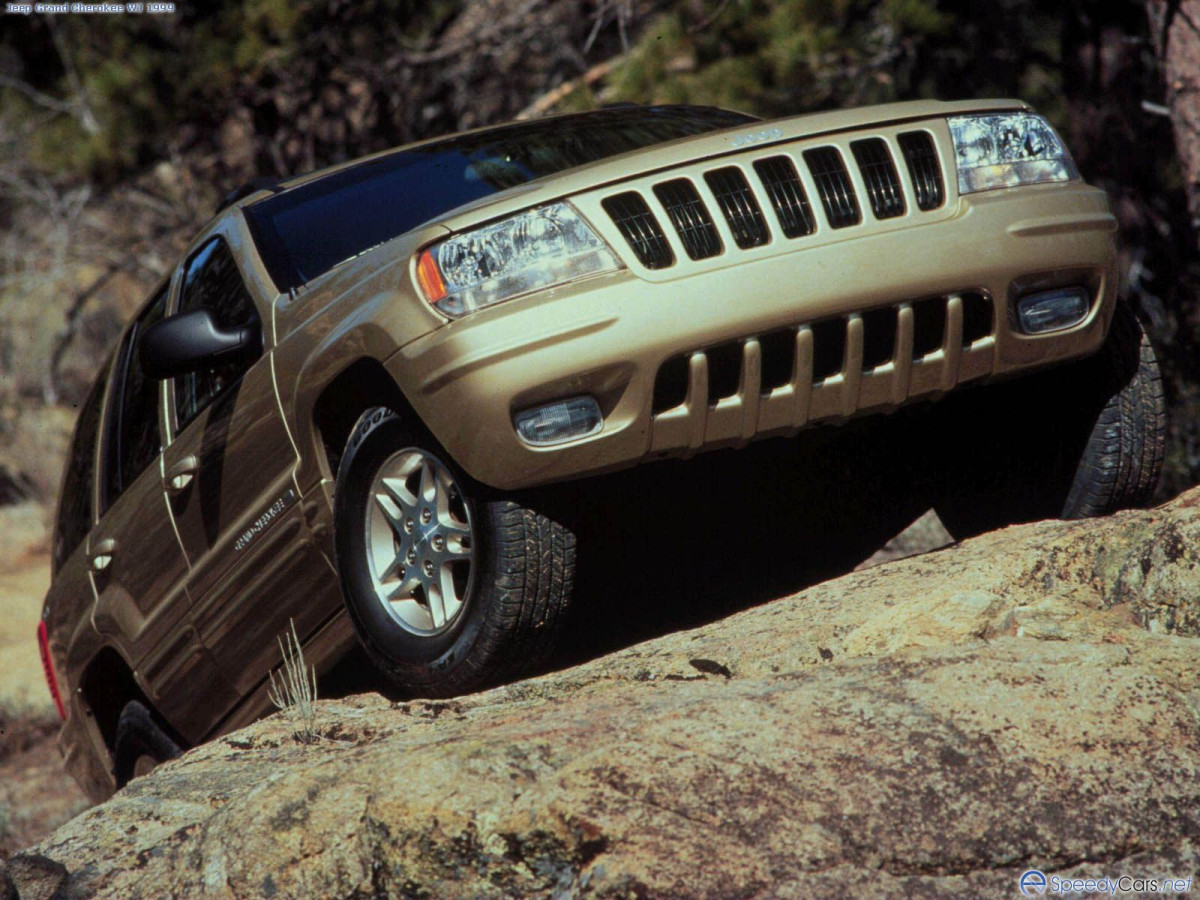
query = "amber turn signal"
x=429 y=277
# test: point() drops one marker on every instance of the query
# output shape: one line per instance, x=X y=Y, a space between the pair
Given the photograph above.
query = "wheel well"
x=363 y=384
x=107 y=685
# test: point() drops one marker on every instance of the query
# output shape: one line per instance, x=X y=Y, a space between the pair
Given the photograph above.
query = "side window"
x=133 y=435
x=74 y=519
x=212 y=280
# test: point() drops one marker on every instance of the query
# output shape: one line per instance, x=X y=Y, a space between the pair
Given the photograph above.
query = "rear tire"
x=1076 y=442
x=142 y=743
x=493 y=601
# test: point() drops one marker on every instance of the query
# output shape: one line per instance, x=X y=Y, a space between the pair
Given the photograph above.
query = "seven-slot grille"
x=740 y=200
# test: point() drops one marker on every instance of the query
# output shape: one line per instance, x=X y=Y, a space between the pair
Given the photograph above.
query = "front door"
x=228 y=474
x=138 y=568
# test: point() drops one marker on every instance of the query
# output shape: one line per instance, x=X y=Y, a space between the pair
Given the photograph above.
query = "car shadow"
x=677 y=544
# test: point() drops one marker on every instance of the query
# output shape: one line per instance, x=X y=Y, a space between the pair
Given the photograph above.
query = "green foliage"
x=778 y=58
x=145 y=77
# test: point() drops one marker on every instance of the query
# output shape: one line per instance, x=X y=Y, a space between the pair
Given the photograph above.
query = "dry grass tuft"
x=295 y=692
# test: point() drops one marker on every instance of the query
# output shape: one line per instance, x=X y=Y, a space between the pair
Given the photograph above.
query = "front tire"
x=1076 y=442
x=449 y=588
x=1122 y=458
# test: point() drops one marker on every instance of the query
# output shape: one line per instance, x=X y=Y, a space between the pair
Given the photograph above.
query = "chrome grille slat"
x=640 y=228
x=739 y=206
x=880 y=175
x=833 y=183
x=788 y=198
x=923 y=168
x=690 y=217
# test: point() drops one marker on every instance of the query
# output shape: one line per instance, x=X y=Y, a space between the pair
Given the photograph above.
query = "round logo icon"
x=1033 y=883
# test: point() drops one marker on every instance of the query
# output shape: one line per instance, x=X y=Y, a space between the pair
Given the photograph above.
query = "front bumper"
x=609 y=336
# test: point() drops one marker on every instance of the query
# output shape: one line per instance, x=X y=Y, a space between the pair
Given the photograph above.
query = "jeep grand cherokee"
x=331 y=409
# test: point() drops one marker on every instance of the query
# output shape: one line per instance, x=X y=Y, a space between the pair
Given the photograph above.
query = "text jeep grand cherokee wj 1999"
x=333 y=404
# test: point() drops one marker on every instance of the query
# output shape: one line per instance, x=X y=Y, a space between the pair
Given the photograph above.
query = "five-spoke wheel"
x=450 y=588
x=420 y=545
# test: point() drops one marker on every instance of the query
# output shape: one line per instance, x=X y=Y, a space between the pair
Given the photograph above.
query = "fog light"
x=557 y=422
x=1052 y=310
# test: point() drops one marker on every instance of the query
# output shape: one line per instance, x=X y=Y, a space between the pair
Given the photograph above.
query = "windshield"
x=307 y=230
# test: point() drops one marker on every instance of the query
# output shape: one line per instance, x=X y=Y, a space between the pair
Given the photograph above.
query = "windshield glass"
x=307 y=230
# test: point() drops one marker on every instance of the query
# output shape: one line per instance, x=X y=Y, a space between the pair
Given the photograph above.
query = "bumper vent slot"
x=829 y=348
x=690 y=217
x=671 y=385
x=834 y=185
x=739 y=206
x=977 y=317
x=929 y=326
x=778 y=358
x=879 y=337
x=879 y=173
x=788 y=198
x=724 y=370
x=640 y=228
x=923 y=168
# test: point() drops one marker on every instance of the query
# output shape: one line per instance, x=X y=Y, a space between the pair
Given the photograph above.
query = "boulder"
x=934 y=726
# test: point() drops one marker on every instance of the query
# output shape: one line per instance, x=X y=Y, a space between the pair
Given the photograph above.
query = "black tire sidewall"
x=410 y=658
x=1049 y=455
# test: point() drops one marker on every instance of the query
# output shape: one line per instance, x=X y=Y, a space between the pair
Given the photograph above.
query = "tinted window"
x=74 y=519
x=307 y=230
x=212 y=280
x=133 y=437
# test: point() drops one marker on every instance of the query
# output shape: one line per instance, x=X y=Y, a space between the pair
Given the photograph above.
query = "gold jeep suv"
x=334 y=408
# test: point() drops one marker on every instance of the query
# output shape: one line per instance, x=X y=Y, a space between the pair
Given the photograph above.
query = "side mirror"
x=192 y=341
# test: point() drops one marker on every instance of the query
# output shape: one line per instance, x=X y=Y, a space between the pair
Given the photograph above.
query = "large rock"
x=932 y=726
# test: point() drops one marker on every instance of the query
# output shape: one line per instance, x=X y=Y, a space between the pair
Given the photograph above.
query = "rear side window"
x=212 y=281
x=134 y=440
x=74 y=519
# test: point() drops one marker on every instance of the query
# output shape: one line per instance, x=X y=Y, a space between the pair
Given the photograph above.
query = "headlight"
x=527 y=252
x=1008 y=149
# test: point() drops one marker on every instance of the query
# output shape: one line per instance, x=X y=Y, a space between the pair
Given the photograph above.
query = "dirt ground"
x=36 y=795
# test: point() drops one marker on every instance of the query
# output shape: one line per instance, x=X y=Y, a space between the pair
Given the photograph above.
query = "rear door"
x=138 y=569
x=228 y=474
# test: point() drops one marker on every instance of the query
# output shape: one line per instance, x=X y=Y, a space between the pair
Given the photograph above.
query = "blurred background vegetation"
x=119 y=133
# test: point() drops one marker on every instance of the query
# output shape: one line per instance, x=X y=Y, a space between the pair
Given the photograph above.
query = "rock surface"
x=933 y=726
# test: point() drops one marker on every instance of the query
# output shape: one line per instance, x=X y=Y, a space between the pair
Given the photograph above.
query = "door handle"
x=180 y=475
x=102 y=554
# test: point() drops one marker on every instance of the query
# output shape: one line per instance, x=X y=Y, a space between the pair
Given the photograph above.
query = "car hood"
x=712 y=144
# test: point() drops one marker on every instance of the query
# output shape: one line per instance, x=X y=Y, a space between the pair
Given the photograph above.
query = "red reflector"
x=48 y=668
